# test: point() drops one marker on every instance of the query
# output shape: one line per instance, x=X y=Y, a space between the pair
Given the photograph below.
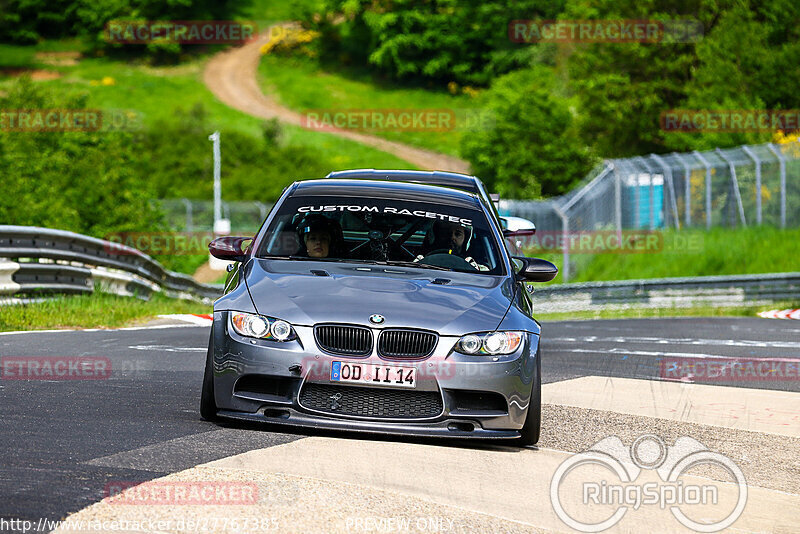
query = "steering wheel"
x=443 y=258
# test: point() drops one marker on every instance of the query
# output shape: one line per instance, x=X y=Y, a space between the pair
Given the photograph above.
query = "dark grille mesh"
x=406 y=343
x=346 y=340
x=371 y=402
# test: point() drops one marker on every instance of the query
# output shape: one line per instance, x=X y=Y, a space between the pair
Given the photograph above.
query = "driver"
x=451 y=238
x=321 y=237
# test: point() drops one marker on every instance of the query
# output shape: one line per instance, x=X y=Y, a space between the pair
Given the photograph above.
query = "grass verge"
x=300 y=83
x=720 y=251
x=96 y=310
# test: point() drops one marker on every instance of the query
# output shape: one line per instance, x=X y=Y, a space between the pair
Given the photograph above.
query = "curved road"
x=232 y=76
x=64 y=441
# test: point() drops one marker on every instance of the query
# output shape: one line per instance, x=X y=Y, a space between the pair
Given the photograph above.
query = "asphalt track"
x=63 y=441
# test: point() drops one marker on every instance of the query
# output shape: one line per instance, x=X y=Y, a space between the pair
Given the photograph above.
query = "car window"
x=377 y=230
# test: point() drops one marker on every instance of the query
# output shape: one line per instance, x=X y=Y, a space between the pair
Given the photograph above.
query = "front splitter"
x=439 y=429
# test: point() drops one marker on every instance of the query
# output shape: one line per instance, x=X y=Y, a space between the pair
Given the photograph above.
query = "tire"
x=529 y=433
x=208 y=405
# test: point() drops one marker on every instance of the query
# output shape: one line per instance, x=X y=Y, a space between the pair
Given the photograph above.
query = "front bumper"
x=479 y=396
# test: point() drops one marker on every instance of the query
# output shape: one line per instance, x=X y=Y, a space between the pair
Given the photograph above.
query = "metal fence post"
x=617 y=200
x=687 y=189
x=262 y=210
x=565 y=239
x=735 y=185
x=189 y=222
x=705 y=163
x=757 y=161
x=782 y=163
x=651 y=190
x=668 y=178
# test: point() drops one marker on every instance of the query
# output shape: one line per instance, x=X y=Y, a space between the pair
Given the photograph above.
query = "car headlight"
x=490 y=343
x=259 y=326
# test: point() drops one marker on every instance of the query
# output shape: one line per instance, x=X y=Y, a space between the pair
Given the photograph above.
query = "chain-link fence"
x=735 y=187
x=198 y=215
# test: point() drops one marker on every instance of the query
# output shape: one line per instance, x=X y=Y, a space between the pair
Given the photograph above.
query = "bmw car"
x=378 y=306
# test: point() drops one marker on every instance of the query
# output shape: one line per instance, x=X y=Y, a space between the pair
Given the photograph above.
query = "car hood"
x=310 y=292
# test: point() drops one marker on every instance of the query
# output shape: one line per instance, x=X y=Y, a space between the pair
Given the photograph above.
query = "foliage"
x=533 y=147
x=81 y=181
x=28 y=21
x=438 y=41
x=742 y=62
x=179 y=162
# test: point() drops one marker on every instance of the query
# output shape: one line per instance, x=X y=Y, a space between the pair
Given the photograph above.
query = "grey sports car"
x=378 y=306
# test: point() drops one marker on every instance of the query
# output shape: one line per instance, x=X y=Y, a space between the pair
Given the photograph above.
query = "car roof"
x=386 y=190
x=455 y=180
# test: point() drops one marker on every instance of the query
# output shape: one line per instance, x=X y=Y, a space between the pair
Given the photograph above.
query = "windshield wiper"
x=418 y=265
x=358 y=260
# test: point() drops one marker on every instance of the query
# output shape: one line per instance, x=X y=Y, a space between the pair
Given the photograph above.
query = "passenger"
x=321 y=237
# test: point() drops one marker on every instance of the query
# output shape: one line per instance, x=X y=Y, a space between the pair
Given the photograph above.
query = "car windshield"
x=357 y=229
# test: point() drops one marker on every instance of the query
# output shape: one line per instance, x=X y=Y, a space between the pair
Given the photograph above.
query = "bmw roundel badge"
x=376 y=319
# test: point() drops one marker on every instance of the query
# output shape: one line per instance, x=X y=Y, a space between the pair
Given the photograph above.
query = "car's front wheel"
x=208 y=406
x=529 y=433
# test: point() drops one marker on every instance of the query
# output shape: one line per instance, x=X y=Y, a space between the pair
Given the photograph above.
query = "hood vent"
x=319 y=272
x=441 y=281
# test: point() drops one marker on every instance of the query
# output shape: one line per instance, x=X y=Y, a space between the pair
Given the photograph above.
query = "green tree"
x=436 y=40
x=533 y=148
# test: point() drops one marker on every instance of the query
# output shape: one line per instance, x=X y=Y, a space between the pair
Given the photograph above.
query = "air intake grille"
x=345 y=340
x=406 y=344
x=371 y=402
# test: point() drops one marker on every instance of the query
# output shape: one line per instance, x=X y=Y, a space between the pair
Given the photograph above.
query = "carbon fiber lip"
x=437 y=430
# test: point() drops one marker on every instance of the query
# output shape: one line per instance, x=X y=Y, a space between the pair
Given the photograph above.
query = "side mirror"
x=527 y=232
x=230 y=248
x=536 y=270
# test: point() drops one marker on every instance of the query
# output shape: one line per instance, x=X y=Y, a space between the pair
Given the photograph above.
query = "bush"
x=533 y=148
x=439 y=41
x=80 y=181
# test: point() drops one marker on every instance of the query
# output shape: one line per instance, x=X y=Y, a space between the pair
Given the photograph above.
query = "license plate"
x=379 y=375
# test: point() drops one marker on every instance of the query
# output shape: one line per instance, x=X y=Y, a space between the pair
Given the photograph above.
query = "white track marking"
x=167 y=348
x=756 y=410
x=694 y=355
x=780 y=314
x=189 y=318
x=678 y=341
x=129 y=328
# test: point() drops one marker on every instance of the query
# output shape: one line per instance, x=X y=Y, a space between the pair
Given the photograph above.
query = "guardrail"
x=733 y=290
x=37 y=260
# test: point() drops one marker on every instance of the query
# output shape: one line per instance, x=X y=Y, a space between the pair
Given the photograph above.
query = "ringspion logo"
x=594 y=490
